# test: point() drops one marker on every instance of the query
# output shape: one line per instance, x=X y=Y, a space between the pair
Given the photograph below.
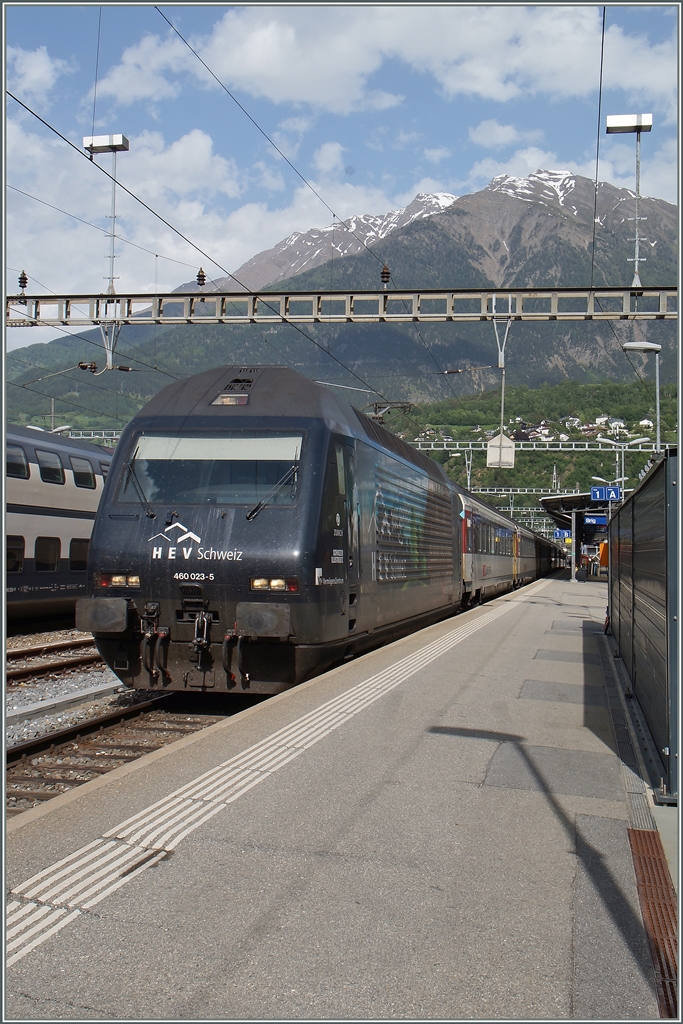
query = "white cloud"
x=298 y=125
x=658 y=173
x=185 y=167
x=289 y=134
x=269 y=179
x=183 y=180
x=326 y=56
x=327 y=159
x=521 y=163
x=435 y=156
x=492 y=135
x=31 y=74
x=425 y=185
x=617 y=165
x=405 y=139
x=142 y=73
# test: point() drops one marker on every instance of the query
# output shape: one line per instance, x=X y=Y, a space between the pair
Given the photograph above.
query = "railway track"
x=58 y=762
x=49 y=657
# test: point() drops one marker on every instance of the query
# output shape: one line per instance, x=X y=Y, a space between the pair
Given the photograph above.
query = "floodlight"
x=618 y=124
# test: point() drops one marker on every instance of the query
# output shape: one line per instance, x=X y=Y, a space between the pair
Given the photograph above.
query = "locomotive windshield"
x=226 y=470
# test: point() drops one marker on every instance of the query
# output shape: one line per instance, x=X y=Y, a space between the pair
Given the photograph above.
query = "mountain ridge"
x=304 y=250
x=536 y=231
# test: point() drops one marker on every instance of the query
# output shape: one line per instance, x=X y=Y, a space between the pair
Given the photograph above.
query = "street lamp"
x=619 y=124
x=649 y=346
x=621 y=446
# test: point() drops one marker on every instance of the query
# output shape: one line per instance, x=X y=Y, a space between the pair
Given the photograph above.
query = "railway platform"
x=441 y=829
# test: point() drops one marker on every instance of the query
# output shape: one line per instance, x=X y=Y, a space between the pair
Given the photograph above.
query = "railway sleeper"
x=32 y=794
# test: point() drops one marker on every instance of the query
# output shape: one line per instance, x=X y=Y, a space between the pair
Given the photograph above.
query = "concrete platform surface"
x=437 y=830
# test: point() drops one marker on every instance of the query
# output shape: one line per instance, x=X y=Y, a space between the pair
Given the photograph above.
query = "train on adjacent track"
x=256 y=529
x=53 y=487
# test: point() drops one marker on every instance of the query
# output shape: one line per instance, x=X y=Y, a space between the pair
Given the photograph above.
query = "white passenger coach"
x=54 y=486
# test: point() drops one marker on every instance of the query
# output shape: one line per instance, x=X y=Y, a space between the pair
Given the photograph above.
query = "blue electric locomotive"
x=255 y=529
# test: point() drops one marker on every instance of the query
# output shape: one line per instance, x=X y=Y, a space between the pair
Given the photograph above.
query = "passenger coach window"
x=17 y=463
x=48 y=551
x=15 y=554
x=83 y=474
x=51 y=468
x=78 y=555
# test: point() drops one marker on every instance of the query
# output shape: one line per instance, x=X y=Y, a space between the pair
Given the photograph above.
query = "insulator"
x=386 y=274
x=23 y=280
x=88 y=366
x=126 y=368
x=201 y=278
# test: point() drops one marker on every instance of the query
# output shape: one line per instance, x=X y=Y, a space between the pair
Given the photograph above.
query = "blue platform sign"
x=613 y=493
x=599 y=494
x=595 y=520
x=562 y=534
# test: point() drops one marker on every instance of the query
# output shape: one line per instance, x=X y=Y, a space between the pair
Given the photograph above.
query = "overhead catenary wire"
x=265 y=134
x=89 y=341
x=595 y=199
x=119 y=238
x=73 y=404
x=597 y=143
x=180 y=234
x=97 y=68
x=156 y=255
x=298 y=173
x=81 y=381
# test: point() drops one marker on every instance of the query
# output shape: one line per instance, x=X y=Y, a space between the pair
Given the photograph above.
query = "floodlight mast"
x=109 y=144
x=618 y=124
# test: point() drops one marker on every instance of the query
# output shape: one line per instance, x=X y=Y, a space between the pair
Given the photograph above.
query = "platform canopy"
x=560 y=507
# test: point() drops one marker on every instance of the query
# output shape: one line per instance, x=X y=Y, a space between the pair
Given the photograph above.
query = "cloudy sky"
x=371 y=104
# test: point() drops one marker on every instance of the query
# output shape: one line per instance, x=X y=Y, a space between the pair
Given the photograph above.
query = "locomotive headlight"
x=112 y=579
x=290 y=585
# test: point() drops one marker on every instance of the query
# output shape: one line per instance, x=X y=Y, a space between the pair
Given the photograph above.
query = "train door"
x=352 y=515
x=515 y=557
x=467 y=546
x=352 y=504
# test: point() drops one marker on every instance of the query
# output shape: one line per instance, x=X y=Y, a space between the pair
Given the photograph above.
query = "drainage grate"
x=658 y=906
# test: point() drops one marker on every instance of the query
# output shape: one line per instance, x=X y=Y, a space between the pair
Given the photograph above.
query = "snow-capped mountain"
x=543 y=187
x=508 y=242
x=302 y=251
x=546 y=228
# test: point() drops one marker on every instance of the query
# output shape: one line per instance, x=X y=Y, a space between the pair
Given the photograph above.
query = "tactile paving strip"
x=658 y=906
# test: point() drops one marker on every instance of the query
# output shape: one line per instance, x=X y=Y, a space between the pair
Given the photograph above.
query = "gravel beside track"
x=33 y=728
x=38 y=690
x=48 y=771
x=37 y=656
x=24 y=639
